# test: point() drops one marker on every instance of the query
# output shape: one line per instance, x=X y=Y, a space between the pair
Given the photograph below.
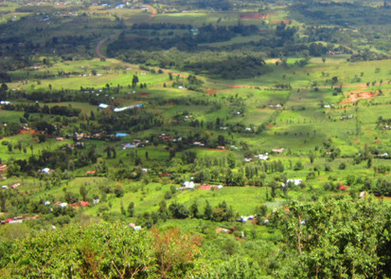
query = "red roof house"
x=342 y=187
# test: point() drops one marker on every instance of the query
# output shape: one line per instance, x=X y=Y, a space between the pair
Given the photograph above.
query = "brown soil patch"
x=153 y=12
x=144 y=94
x=218 y=230
x=121 y=101
x=382 y=197
x=251 y=16
x=211 y=91
x=237 y=86
x=354 y=97
x=212 y=149
x=255 y=16
x=280 y=21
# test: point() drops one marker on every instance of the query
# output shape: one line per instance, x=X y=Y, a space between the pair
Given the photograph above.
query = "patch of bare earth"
x=354 y=97
x=255 y=16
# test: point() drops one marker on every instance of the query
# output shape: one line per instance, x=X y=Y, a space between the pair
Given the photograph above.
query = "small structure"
x=205 y=187
x=3 y=168
x=278 y=150
x=341 y=187
x=197 y=143
x=188 y=185
x=46 y=171
x=120 y=135
x=263 y=157
x=210 y=187
x=15 y=222
x=128 y=107
x=134 y=227
x=13 y=186
x=128 y=146
x=219 y=230
x=243 y=219
x=84 y=203
x=295 y=182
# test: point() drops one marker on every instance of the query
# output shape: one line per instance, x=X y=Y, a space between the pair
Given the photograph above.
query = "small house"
x=46 y=171
x=103 y=106
x=243 y=219
x=15 y=222
x=134 y=227
x=128 y=146
x=263 y=157
x=120 y=135
x=341 y=187
x=205 y=187
x=84 y=203
x=188 y=184
x=13 y=186
x=295 y=182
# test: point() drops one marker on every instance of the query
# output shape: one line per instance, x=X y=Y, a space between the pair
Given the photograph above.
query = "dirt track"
x=153 y=12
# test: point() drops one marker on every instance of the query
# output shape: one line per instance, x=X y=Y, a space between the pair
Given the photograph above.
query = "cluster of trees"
x=334 y=237
x=368 y=56
x=326 y=239
x=10 y=129
x=94 y=251
x=130 y=120
x=62 y=159
x=36 y=108
x=233 y=67
x=382 y=187
x=221 y=213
